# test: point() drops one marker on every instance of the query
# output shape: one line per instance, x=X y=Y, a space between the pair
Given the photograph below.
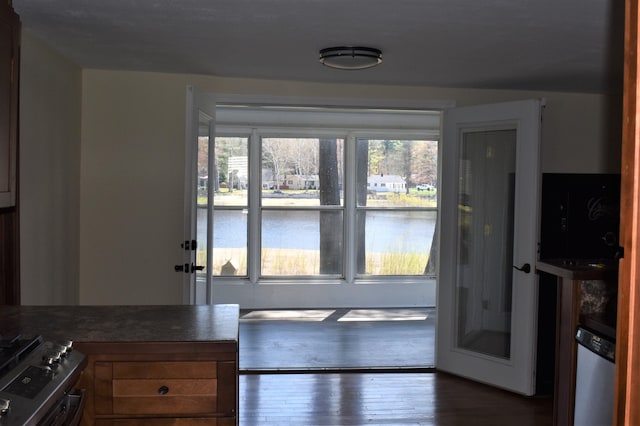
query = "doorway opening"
x=299 y=207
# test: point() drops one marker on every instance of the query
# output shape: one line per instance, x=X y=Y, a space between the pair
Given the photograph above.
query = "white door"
x=487 y=289
x=200 y=119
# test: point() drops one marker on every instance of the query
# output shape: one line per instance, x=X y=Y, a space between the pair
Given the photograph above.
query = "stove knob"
x=61 y=349
x=4 y=406
x=68 y=344
x=51 y=359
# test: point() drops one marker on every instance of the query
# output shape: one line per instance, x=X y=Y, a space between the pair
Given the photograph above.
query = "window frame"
x=349 y=207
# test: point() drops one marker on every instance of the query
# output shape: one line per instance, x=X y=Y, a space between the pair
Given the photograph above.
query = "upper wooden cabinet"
x=9 y=73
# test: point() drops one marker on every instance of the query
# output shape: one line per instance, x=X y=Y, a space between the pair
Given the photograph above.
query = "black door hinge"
x=189 y=245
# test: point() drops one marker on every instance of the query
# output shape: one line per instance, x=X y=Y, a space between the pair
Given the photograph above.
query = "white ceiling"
x=557 y=45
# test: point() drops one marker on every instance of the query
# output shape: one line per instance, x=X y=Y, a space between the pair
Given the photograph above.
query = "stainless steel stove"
x=36 y=381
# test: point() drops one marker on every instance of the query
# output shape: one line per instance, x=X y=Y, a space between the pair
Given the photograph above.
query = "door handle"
x=526 y=268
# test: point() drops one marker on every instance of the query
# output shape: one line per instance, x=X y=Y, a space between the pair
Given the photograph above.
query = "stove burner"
x=13 y=350
x=36 y=380
x=7 y=343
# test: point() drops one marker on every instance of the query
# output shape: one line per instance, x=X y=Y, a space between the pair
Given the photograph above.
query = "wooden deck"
x=337 y=340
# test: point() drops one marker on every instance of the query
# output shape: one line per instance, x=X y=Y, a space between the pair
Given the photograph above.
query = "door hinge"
x=189 y=245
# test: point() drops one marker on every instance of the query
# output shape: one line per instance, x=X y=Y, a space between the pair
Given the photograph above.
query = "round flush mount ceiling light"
x=350 y=57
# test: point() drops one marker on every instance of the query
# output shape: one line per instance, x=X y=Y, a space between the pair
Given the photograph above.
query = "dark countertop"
x=596 y=303
x=579 y=269
x=95 y=324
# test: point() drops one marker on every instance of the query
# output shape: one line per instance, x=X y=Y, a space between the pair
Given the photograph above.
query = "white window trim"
x=401 y=291
x=349 y=208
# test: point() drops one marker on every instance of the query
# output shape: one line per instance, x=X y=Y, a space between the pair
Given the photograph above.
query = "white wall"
x=133 y=166
x=102 y=210
x=49 y=175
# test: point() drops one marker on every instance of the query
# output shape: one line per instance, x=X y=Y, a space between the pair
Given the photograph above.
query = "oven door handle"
x=76 y=406
x=67 y=411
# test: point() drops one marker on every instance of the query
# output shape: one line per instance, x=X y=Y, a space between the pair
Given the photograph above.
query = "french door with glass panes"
x=487 y=287
x=200 y=132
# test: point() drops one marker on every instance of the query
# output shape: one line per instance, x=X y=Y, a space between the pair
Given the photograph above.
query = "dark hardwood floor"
x=314 y=370
x=344 y=399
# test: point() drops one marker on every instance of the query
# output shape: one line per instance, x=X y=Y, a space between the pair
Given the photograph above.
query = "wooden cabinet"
x=165 y=422
x=171 y=365
x=568 y=280
x=158 y=388
x=9 y=72
x=156 y=383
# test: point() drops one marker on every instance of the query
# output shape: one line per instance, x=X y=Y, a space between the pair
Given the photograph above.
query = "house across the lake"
x=386 y=183
x=302 y=181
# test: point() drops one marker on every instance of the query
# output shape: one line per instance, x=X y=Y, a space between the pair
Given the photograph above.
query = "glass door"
x=487 y=289
x=485 y=241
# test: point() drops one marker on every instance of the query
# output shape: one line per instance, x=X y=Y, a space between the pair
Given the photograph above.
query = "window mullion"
x=350 y=208
x=211 y=148
x=254 y=213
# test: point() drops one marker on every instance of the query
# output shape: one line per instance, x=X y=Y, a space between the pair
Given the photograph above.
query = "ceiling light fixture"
x=350 y=57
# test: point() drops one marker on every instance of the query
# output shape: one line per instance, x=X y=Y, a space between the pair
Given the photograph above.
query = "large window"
x=305 y=196
x=302 y=209
x=396 y=200
x=230 y=178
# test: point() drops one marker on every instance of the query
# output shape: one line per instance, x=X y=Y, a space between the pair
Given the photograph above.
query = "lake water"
x=386 y=231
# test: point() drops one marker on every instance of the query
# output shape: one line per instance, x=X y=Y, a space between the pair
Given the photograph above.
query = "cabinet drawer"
x=209 y=421
x=165 y=370
x=164 y=396
x=152 y=388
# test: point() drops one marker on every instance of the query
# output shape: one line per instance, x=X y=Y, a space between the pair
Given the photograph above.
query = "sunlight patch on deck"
x=290 y=315
x=385 y=315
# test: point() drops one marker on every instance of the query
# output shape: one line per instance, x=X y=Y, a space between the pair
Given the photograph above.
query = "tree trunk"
x=330 y=221
x=408 y=156
x=430 y=268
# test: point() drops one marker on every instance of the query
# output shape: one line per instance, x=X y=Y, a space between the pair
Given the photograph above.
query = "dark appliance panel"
x=579 y=221
x=580 y=216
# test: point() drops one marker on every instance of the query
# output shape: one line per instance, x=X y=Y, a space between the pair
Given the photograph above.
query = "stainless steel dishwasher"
x=595 y=377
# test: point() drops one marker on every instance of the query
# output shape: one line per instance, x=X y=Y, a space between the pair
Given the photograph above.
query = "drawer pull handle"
x=163 y=390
